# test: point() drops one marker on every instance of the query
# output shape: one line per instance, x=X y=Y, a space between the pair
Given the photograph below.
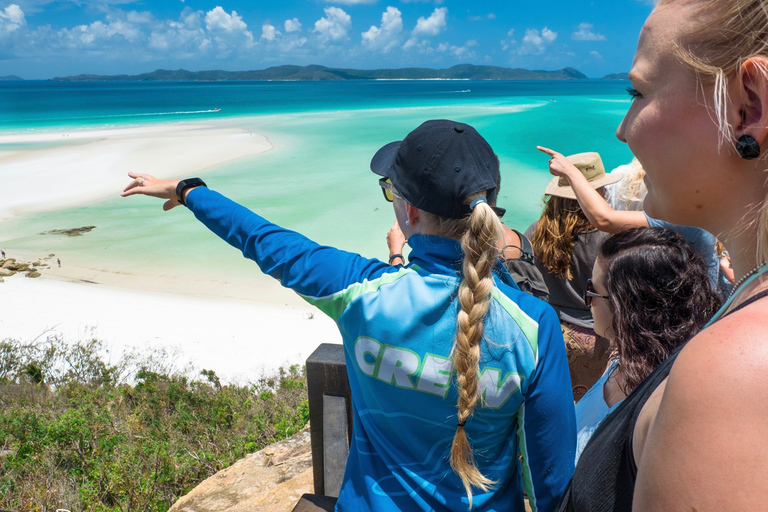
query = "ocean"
x=316 y=179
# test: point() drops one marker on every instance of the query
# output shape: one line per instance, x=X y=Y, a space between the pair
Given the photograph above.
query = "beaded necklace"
x=750 y=276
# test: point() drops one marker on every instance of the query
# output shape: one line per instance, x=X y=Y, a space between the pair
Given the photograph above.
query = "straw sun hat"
x=591 y=166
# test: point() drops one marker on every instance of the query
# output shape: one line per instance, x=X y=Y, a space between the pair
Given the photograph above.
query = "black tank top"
x=604 y=479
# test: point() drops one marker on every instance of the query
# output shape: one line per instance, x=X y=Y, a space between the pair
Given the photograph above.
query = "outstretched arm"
x=595 y=207
x=318 y=273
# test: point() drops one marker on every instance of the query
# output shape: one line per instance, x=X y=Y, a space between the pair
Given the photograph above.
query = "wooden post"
x=330 y=404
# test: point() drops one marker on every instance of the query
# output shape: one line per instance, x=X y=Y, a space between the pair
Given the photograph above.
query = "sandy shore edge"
x=238 y=331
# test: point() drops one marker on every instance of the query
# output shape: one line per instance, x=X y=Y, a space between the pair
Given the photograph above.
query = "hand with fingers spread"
x=559 y=165
x=150 y=186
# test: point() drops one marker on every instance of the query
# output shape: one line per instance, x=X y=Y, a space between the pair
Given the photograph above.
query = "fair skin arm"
x=396 y=241
x=724 y=466
x=595 y=207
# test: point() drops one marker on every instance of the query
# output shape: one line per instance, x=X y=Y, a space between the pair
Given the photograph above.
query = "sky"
x=41 y=39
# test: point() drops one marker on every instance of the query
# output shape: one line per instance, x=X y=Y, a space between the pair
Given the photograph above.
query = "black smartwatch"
x=185 y=184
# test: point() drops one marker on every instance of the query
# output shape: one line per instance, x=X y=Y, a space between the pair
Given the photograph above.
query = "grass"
x=81 y=434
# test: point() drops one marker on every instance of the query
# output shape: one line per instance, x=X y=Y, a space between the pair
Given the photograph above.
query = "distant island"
x=314 y=73
x=617 y=76
x=10 y=78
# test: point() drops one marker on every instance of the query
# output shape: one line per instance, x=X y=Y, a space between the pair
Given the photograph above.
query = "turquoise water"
x=316 y=179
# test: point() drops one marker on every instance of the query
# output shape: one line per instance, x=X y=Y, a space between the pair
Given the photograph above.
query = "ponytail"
x=480 y=245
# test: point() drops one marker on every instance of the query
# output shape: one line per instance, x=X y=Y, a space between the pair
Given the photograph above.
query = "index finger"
x=550 y=152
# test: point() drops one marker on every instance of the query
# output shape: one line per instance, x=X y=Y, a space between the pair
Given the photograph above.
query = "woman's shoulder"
x=715 y=390
x=727 y=361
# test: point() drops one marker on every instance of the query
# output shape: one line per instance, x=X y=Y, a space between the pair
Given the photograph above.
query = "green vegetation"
x=81 y=434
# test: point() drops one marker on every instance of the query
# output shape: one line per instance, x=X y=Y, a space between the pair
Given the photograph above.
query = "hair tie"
x=476 y=202
x=461 y=423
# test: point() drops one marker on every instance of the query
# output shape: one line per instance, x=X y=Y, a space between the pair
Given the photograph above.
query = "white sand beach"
x=239 y=340
x=229 y=327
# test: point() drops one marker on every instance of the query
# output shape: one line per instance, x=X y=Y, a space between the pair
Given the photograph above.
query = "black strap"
x=747 y=302
x=526 y=249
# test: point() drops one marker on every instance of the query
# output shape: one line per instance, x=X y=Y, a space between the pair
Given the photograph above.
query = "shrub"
x=81 y=434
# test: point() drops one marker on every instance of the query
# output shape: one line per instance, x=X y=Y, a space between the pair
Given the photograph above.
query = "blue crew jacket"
x=398 y=326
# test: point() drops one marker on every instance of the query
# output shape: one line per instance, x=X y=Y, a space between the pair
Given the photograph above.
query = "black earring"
x=747 y=147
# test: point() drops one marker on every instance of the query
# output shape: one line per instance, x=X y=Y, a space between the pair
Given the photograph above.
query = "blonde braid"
x=479 y=243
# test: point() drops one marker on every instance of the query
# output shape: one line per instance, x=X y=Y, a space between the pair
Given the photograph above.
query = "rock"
x=10 y=261
x=34 y=273
x=270 y=480
x=69 y=232
x=5 y=272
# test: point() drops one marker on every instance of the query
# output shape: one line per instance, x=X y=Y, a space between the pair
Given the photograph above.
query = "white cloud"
x=292 y=25
x=535 y=42
x=140 y=17
x=596 y=54
x=423 y=46
x=12 y=19
x=269 y=32
x=507 y=43
x=385 y=38
x=102 y=37
x=489 y=16
x=433 y=25
x=350 y=2
x=334 y=26
x=585 y=33
x=218 y=19
x=460 y=52
x=229 y=32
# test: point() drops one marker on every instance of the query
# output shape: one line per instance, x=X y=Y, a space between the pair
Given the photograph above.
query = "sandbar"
x=80 y=167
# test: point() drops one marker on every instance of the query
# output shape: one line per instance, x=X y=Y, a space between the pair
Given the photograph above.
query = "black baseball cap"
x=438 y=165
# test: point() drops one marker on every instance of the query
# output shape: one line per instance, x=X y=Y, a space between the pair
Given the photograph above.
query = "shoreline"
x=241 y=340
x=240 y=328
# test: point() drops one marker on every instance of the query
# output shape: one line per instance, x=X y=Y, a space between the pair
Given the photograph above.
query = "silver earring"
x=407 y=223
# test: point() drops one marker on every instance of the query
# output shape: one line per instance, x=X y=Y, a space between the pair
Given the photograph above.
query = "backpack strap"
x=526 y=249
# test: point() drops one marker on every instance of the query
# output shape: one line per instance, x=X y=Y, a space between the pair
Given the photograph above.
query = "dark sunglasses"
x=589 y=293
x=388 y=189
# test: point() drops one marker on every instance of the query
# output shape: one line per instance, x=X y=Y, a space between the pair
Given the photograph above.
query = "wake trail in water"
x=139 y=114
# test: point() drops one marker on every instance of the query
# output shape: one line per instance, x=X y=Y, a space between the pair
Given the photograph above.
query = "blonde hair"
x=630 y=192
x=726 y=35
x=479 y=234
x=555 y=234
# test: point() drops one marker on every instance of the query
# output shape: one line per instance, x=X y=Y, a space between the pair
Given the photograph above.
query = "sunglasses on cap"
x=589 y=293
x=388 y=189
